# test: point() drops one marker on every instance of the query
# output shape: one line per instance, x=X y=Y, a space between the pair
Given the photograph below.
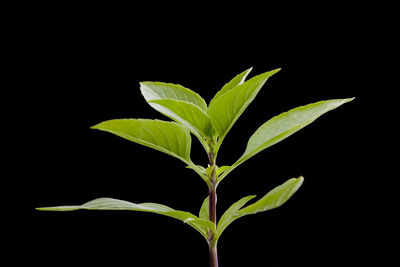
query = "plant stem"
x=213 y=256
x=212 y=210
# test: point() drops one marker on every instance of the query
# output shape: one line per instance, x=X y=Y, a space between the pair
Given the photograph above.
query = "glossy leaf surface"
x=168 y=137
x=237 y=80
x=227 y=108
x=190 y=115
x=285 y=124
x=158 y=90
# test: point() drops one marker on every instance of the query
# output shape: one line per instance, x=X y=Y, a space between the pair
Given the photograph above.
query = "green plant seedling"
x=209 y=124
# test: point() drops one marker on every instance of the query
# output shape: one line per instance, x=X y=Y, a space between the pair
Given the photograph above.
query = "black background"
x=83 y=65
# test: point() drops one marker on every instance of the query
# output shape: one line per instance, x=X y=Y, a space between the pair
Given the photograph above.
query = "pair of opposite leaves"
x=209 y=124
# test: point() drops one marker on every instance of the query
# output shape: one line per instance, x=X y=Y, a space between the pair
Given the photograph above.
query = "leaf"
x=229 y=214
x=115 y=204
x=168 y=137
x=190 y=115
x=275 y=198
x=200 y=222
x=158 y=90
x=271 y=200
x=210 y=169
x=204 y=213
x=237 y=80
x=227 y=108
x=285 y=124
x=201 y=168
x=222 y=169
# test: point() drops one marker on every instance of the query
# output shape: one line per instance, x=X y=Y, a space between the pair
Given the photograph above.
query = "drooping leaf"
x=158 y=90
x=285 y=124
x=227 y=108
x=204 y=213
x=115 y=204
x=237 y=80
x=190 y=115
x=271 y=200
x=168 y=137
x=229 y=214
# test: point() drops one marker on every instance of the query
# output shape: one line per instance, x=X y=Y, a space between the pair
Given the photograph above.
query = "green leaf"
x=204 y=210
x=115 y=204
x=229 y=215
x=227 y=108
x=275 y=198
x=190 y=115
x=210 y=169
x=201 y=168
x=237 y=80
x=158 y=90
x=271 y=200
x=285 y=124
x=222 y=169
x=200 y=222
x=168 y=137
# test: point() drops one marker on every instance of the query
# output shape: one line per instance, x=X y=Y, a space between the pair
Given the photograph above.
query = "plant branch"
x=212 y=209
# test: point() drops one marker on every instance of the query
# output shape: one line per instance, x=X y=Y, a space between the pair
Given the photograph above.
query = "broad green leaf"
x=229 y=214
x=204 y=213
x=237 y=80
x=115 y=204
x=271 y=200
x=158 y=90
x=285 y=124
x=190 y=115
x=168 y=137
x=227 y=108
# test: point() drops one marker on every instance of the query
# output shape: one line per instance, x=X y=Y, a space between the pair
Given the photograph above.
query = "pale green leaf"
x=115 y=204
x=227 y=108
x=158 y=90
x=271 y=200
x=237 y=80
x=204 y=210
x=222 y=169
x=229 y=214
x=201 y=168
x=210 y=169
x=275 y=198
x=168 y=137
x=190 y=115
x=200 y=222
x=285 y=124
